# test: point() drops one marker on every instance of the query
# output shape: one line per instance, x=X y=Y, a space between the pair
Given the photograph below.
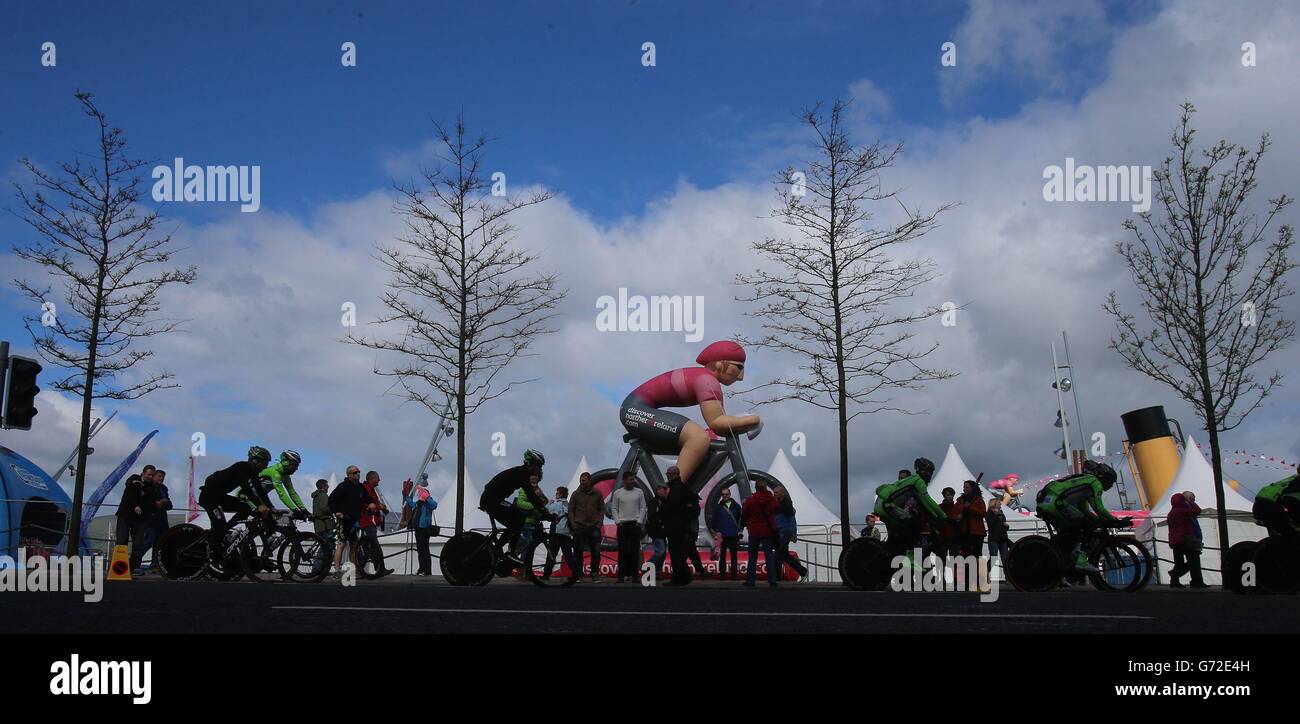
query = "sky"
x=662 y=181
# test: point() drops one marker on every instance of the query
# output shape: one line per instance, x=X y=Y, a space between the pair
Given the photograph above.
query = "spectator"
x=870 y=531
x=970 y=510
x=561 y=537
x=532 y=529
x=996 y=522
x=131 y=525
x=787 y=532
x=1185 y=539
x=420 y=506
x=758 y=515
x=692 y=520
x=726 y=523
x=156 y=501
x=654 y=529
x=322 y=521
x=586 y=515
x=943 y=538
x=676 y=511
x=346 y=503
x=627 y=507
x=372 y=520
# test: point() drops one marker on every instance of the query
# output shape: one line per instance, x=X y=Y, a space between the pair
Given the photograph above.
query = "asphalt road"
x=403 y=605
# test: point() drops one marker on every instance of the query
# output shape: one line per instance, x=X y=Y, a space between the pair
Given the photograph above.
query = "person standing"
x=372 y=518
x=787 y=532
x=676 y=511
x=995 y=520
x=586 y=516
x=943 y=535
x=871 y=531
x=691 y=535
x=1185 y=539
x=654 y=529
x=758 y=515
x=561 y=534
x=131 y=524
x=726 y=523
x=969 y=510
x=345 y=503
x=322 y=522
x=420 y=506
x=156 y=501
x=627 y=507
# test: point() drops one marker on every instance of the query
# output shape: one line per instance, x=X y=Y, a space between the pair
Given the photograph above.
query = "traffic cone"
x=119 y=568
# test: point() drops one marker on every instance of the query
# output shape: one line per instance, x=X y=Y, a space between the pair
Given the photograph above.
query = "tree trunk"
x=844 y=471
x=83 y=439
x=1216 y=460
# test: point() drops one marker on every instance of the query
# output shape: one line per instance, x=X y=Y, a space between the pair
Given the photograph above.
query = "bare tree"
x=1212 y=294
x=94 y=239
x=835 y=296
x=460 y=290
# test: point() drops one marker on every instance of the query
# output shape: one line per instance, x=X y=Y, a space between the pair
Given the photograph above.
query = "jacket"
x=347 y=498
x=785 y=520
x=586 y=510
x=726 y=519
x=654 y=521
x=947 y=530
x=150 y=497
x=421 y=506
x=371 y=518
x=559 y=509
x=626 y=506
x=758 y=514
x=1182 y=519
x=131 y=494
x=320 y=510
x=675 y=510
x=996 y=523
x=970 y=515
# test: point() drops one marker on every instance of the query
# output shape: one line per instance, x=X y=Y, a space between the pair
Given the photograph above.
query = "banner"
x=91 y=506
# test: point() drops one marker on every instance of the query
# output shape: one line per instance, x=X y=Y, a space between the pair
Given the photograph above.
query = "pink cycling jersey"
x=680 y=388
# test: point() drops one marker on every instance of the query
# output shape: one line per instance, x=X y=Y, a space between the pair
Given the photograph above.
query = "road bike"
x=1036 y=563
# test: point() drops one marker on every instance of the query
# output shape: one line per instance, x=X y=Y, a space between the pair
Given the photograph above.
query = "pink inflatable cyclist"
x=643 y=415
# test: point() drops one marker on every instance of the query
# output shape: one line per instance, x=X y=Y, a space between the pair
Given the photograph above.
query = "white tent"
x=808 y=509
x=446 y=512
x=577 y=474
x=1196 y=475
x=951 y=474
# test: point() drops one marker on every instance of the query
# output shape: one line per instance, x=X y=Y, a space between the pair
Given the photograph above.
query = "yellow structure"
x=119 y=568
x=1153 y=450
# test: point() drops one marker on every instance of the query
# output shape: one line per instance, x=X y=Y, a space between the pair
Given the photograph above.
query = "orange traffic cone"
x=119 y=568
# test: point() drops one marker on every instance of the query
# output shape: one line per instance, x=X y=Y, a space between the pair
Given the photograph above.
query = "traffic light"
x=20 y=393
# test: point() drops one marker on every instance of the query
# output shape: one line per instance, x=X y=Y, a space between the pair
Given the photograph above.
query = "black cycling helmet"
x=534 y=457
x=924 y=468
x=1101 y=471
x=290 y=459
x=259 y=453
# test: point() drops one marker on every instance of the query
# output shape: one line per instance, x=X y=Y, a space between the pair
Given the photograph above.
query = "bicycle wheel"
x=1277 y=566
x=549 y=562
x=1120 y=564
x=370 y=558
x=1034 y=564
x=300 y=558
x=183 y=552
x=1239 y=554
x=467 y=559
x=1146 y=562
x=865 y=565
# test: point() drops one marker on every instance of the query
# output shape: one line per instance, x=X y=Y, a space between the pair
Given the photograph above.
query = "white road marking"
x=794 y=614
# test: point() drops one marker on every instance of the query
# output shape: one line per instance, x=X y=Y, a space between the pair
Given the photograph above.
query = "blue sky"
x=559 y=83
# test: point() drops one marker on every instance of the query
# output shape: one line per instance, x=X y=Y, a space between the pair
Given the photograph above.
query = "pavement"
x=402 y=604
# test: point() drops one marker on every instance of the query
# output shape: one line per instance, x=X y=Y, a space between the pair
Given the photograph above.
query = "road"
x=404 y=604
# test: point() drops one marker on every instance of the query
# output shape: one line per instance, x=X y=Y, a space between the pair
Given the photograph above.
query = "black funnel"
x=1147 y=423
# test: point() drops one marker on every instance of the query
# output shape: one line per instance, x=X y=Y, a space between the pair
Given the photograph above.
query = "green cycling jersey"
x=1285 y=488
x=913 y=484
x=1075 y=497
x=283 y=484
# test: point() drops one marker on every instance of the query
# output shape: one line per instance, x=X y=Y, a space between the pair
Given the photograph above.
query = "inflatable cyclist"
x=906 y=506
x=642 y=413
x=1073 y=505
